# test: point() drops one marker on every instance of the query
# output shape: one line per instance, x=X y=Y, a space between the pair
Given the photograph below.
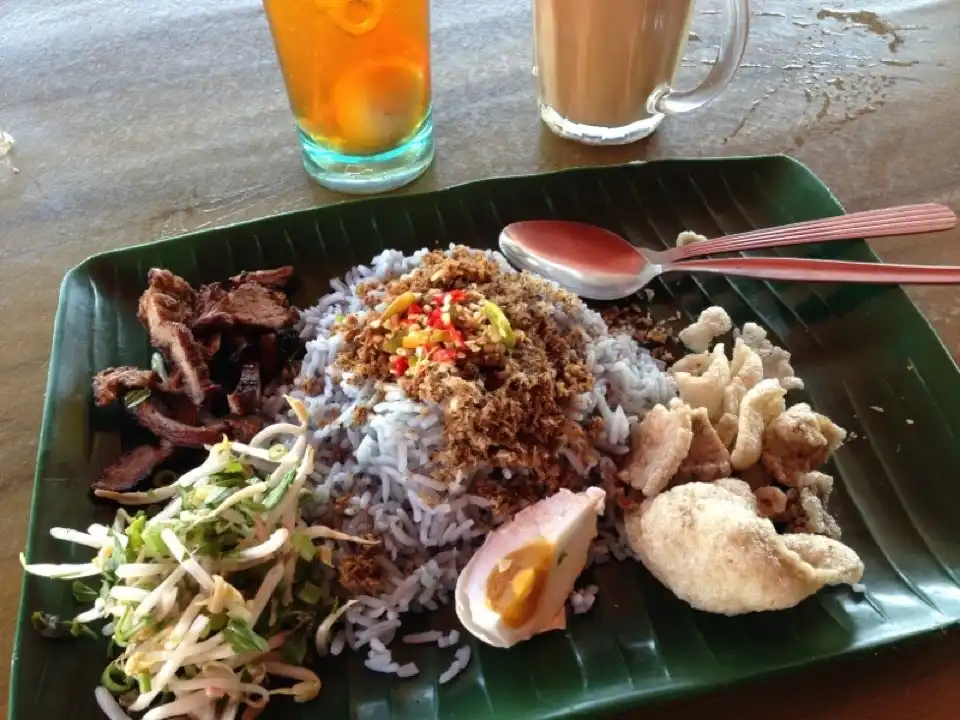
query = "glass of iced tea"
x=358 y=77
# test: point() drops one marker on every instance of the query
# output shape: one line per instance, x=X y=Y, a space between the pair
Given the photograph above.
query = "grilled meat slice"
x=111 y=383
x=248 y=304
x=267 y=350
x=166 y=309
x=245 y=398
x=156 y=417
x=276 y=278
x=211 y=345
x=180 y=408
x=132 y=468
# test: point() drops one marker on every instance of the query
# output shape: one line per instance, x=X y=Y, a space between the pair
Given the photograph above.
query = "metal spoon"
x=600 y=265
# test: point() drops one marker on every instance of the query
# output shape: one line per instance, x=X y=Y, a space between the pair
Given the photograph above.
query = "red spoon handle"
x=807 y=270
x=902 y=220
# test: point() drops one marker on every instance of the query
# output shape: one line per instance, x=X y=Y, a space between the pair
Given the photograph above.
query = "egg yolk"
x=380 y=103
x=515 y=586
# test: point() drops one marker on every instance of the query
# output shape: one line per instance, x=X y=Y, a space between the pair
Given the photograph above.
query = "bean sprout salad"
x=213 y=599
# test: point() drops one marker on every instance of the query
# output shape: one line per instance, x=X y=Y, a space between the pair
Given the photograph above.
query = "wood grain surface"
x=140 y=120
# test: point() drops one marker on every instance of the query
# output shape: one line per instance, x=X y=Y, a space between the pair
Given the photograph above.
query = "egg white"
x=568 y=522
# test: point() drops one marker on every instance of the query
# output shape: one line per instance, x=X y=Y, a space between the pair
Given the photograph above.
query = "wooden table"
x=135 y=121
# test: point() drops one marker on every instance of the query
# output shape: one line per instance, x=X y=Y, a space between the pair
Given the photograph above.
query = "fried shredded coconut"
x=360 y=573
x=460 y=332
x=657 y=336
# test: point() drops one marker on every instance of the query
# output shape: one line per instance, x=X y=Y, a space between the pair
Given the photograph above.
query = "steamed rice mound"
x=427 y=462
x=504 y=407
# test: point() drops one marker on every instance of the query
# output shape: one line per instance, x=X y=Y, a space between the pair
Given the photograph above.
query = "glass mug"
x=357 y=74
x=605 y=68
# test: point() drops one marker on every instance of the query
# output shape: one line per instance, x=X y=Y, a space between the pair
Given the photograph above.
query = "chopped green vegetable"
x=144 y=682
x=218 y=622
x=83 y=593
x=135 y=533
x=304 y=545
x=277 y=451
x=219 y=543
x=294 y=648
x=234 y=475
x=395 y=341
x=159 y=367
x=135 y=397
x=242 y=638
x=50 y=626
x=125 y=628
x=234 y=467
x=218 y=496
x=309 y=593
x=118 y=555
x=294 y=616
x=499 y=321
x=115 y=680
x=274 y=497
x=153 y=543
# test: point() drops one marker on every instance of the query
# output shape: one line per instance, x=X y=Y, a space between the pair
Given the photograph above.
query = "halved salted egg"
x=517 y=582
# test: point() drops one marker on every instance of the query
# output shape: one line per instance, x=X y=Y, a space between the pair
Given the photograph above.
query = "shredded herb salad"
x=213 y=599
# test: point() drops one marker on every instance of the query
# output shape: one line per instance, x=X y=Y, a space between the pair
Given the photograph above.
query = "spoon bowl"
x=610 y=268
x=598 y=264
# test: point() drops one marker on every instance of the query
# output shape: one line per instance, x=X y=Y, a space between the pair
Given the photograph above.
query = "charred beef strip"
x=181 y=409
x=211 y=345
x=111 y=383
x=245 y=398
x=133 y=467
x=235 y=334
x=166 y=309
x=269 y=358
x=248 y=304
x=275 y=350
x=155 y=417
x=276 y=278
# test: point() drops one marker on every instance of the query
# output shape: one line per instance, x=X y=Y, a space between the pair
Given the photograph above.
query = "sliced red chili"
x=435 y=319
x=415 y=310
x=456 y=296
x=455 y=335
x=400 y=365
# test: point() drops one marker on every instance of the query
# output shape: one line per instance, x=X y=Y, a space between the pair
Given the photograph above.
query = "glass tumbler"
x=605 y=68
x=357 y=74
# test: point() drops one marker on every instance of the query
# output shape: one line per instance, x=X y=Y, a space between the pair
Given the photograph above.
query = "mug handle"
x=667 y=101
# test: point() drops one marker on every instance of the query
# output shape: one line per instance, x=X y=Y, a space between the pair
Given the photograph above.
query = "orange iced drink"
x=357 y=71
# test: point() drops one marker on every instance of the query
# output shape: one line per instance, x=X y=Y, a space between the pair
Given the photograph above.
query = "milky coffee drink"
x=599 y=61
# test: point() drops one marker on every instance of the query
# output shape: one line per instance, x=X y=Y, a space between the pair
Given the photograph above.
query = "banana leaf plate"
x=870 y=360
